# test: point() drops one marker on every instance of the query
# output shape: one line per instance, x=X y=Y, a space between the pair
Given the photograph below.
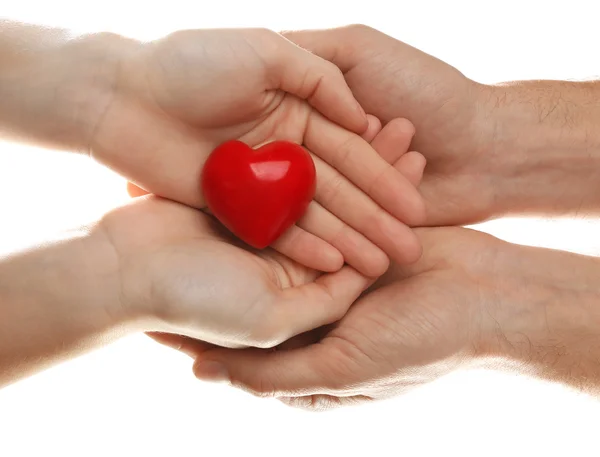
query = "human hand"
x=271 y=285
x=177 y=98
x=156 y=266
x=472 y=300
x=180 y=273
x=451 y=114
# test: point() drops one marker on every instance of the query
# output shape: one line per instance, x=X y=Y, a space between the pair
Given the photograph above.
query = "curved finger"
x=309 y=250
x=266 y=373
x=321 y=302
x=373 y=129
x=188 y=346
x=336 y=194
x=302 y=73
x=412 y=165
x=355 y=248
x=394 y=139
x=354 y=158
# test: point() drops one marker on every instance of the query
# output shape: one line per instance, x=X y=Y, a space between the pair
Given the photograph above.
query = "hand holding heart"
x=258 y=194
x=208 y=287
x=176 y=99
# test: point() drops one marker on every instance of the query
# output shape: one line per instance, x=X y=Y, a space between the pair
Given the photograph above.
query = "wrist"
x=543 y=146
x=57 y=300
x=545 y=319
x=55 y=90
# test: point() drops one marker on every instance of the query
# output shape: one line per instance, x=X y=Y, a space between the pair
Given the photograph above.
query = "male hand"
x=472 y=300
x=450 y=113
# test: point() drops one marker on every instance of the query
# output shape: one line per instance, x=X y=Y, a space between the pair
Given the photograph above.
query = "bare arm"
x=53 y=85
x=545 y=136
x=55 y=304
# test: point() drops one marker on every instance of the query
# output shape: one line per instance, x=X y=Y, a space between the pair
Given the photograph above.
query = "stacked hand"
x=471 y=299
x=177 y=99
x=311 y=319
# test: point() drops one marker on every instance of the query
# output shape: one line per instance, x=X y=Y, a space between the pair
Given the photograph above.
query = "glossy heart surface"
x=258 y=194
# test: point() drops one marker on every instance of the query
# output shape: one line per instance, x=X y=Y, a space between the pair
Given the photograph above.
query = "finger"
x=336 y=45
x=412 y=165
x=321 y=302
x=320 y=82
x=354 y=247
x=336 y=194
x=135 y=191
x=394 y=139
x=354 y=158
x=184 y=344
x=392 y=142
x=373 y=129
x=309 y=249
x=269 y=373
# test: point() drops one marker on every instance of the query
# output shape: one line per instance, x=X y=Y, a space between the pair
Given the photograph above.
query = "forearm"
x=545 y=141
x=547 y=321
x=54 y=86
x=55 y=303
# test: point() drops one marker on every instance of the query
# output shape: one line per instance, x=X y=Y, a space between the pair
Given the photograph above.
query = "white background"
x=136 y=398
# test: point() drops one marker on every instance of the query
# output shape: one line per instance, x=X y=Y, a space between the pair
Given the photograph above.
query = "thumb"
x=297 y=310
x=267 y=373
x=301 y=73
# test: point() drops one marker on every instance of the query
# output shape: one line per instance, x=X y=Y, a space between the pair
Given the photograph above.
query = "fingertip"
x=419 y=160
x=418 y=214
x=361 y=118
x=414 y=255
x=412 y=166
x=410 y=249
x=373 y=128
x=402 y=126
x=411 y=208
x=332 y=260
x=377 y=264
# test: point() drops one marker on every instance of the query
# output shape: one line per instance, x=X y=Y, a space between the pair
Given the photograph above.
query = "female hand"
x=174 y=100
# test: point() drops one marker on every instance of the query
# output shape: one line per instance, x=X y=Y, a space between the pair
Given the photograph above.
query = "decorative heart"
x=258 y=194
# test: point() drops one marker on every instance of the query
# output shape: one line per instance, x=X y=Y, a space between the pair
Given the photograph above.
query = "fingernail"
x=211 y=371
x=362 y=111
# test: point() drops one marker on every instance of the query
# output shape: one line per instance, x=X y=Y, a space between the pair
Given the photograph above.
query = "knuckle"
x=344 y=150
x=380 y=180
x=332 y=190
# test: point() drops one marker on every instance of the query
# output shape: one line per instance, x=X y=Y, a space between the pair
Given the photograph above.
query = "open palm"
x=180 y=97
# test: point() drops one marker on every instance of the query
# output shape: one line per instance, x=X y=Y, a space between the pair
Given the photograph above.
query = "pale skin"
x=157 y=265
x=154 y=111
x=472 y=300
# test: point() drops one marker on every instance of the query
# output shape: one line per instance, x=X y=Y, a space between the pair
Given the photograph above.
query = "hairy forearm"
x=547 y=321
x=54 y=86
x=545 y=136
x=55 y=304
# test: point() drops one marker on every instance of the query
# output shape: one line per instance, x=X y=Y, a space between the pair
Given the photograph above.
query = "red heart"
x=258 y=194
